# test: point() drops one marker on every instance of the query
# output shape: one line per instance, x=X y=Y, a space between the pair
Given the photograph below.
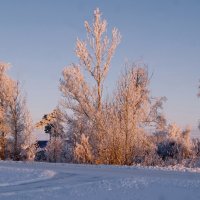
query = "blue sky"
x=38 y=38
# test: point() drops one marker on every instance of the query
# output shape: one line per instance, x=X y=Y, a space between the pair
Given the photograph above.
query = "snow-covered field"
x=34 y=181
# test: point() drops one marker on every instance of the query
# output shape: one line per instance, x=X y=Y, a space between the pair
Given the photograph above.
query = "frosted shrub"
x=196 y=147
x=175 y=145
x=145 y=153
x=172 y=149
x=55 y=150
x=28 y=152
x=83 y=151
x=167 y=149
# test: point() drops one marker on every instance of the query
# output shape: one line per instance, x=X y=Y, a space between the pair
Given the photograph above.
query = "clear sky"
x=38 y=38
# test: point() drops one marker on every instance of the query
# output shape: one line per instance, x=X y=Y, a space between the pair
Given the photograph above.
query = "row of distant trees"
x=89 y=126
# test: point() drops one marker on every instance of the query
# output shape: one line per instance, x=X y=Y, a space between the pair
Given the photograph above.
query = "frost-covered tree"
x=53 y=125
x=28 y=147
x=83 y=102
x=96 y=51
x=5 y=93
x=14 y=121
x=129 y=115
x=132 y=99
x=107 y=130
x=19 y=122
x=15 y=116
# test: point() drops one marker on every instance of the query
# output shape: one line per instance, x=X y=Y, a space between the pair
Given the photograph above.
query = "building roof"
x=42 y=143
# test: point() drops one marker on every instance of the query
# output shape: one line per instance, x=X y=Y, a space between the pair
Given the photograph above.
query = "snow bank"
x=178 y=168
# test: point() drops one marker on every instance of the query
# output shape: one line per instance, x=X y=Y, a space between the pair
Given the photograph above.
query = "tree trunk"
x=99 y=95
x=16 y=157
x=3 y=147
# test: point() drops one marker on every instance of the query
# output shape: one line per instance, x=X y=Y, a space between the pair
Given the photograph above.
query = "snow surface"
x=21 y=181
